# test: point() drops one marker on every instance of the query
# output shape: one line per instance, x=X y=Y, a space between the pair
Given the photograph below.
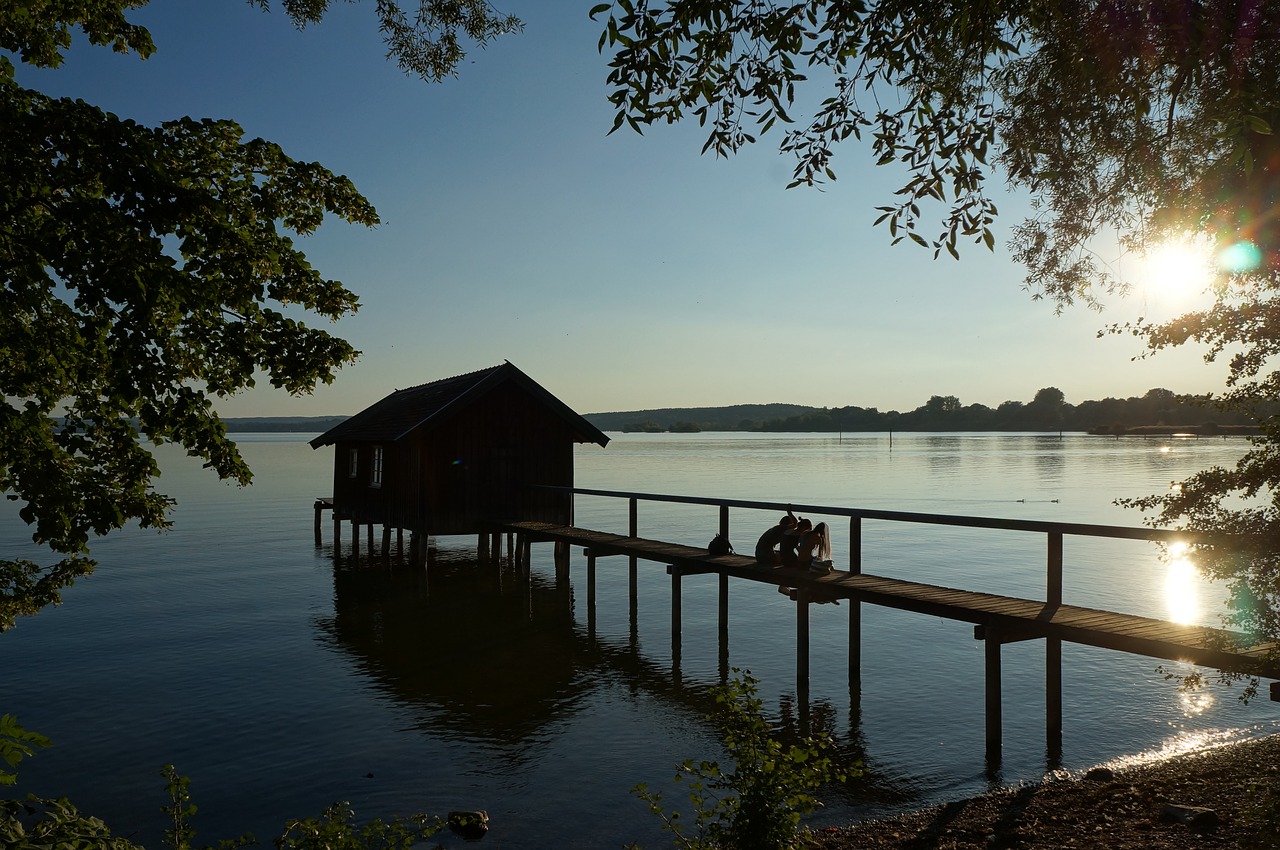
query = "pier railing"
x=1055 y=531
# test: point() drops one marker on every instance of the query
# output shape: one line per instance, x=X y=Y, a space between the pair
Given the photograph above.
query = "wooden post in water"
x=993 y=718
x=368 y=530
x=319 y=508
x=337 y=534
x=386 y=543
x=633 y=530
x=855 y=650
x=802 y=646
x=355 y=540
x=591 y=594
x=675 y=617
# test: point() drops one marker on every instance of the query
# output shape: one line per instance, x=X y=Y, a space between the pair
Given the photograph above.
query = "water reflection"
x=498 y=660
x=1181 y=585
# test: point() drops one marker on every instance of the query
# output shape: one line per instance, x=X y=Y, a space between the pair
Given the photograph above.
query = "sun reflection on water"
x=1182 y=586
x=1180 y=744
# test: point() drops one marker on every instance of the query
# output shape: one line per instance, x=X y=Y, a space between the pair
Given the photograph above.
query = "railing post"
x=724 y=521
x=1053 y=591
x=855 y=545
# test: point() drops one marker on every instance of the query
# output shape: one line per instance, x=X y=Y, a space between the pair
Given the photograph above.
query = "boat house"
x=449 y=456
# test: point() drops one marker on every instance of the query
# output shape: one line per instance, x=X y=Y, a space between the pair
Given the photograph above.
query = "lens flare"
x=1243 y=256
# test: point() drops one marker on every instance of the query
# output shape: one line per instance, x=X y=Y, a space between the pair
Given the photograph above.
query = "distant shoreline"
x=320 y=424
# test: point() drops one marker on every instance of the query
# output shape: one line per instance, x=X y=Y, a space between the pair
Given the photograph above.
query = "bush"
x=757 y=803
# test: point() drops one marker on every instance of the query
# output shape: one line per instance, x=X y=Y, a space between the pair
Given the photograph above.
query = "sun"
x=1178 y=269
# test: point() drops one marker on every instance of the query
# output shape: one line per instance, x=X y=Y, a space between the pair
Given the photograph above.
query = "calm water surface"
x=232 y=648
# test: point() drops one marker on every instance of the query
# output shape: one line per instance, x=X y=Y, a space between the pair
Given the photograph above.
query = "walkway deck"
x=1009 y=618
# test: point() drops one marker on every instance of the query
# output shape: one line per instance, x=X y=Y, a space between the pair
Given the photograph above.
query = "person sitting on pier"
x=767 y=546
x=814 y=548
x=790 y=540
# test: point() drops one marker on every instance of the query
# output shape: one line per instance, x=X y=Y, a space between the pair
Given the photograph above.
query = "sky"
x=621 y=272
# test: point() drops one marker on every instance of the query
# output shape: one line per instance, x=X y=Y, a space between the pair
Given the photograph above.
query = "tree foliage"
x=151 y=270
x=1127 y=120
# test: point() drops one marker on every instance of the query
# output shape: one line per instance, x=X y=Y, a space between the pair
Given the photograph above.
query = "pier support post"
x=591 y=594
x=633 y=530
x=355 y=540
x=337 y=534
x=1053 y=702
x=723 y=640
x=675 y=617
x=802 y=646
x=560 y=556
x=319 y=508
x=368 y=532
x=855 y=651
x=386 y=544
x=993 y=718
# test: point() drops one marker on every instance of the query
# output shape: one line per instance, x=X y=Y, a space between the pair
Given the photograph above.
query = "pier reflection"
x=485 y=655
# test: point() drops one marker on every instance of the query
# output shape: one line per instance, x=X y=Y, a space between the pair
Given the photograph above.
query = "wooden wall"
x=470 y=467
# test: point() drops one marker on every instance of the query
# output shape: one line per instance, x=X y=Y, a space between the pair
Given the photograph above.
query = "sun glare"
x=1182 y=586
x=1178 y=270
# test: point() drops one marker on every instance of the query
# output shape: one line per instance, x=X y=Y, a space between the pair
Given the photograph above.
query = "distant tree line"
x=1048 y=410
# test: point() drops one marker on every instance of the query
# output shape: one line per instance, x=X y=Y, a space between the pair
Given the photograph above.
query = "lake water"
x=231 y=647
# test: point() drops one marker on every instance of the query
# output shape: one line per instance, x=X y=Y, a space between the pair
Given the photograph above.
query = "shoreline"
x=1124 y=809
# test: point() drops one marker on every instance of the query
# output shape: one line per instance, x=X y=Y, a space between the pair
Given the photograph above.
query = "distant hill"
x=738 y=417
x=301 y=424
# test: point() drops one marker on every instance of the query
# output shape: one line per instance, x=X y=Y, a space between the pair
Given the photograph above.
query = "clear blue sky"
x=621 y=272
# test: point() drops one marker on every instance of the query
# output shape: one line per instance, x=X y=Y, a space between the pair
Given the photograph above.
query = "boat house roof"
x=424 y=406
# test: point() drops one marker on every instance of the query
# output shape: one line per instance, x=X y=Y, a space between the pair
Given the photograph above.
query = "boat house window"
x=353 y=466
x=375 y=474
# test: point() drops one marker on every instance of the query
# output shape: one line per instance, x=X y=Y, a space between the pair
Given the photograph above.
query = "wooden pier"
x=997 y=619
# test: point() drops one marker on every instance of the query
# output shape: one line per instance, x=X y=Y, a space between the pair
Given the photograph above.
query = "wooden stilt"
x=855 y=651
x=400 y=540
x=675 y=617
x=319 y=508
x=724 y=606
x=355 y=540
x=495 y=548
x=386 y=544
x=802 y=644
x=633 y=530
x=1053 y=701
x=591 y=595
x=993 y=718
x=368 y=531
x=337 y=534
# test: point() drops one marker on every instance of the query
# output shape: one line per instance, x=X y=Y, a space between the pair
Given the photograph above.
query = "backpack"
x=720 y=545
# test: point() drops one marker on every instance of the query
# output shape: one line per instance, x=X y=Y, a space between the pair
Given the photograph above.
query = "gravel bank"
x=1125 y=811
